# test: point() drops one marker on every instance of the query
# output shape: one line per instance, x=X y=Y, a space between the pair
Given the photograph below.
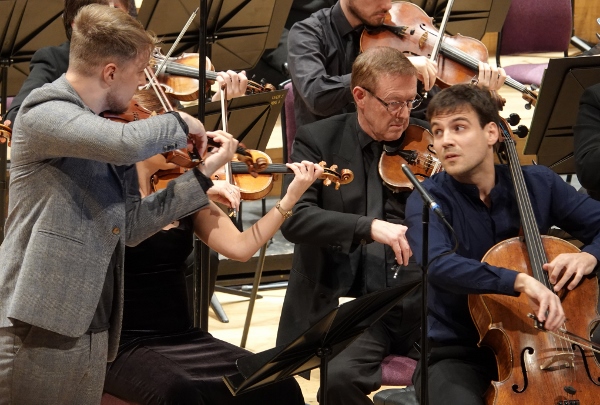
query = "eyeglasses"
x=396 y=106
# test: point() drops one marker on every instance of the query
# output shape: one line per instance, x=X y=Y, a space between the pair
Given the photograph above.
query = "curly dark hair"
x=456 y=97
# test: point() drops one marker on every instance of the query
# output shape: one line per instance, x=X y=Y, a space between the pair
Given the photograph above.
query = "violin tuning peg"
x=326 y=181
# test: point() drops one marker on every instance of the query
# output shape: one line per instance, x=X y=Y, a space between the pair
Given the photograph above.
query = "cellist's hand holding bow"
x=544 y=302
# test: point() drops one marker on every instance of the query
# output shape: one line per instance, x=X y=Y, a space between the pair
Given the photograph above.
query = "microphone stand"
x=424 y=342
x=424 y=260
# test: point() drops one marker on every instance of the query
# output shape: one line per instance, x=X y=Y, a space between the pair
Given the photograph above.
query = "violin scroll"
x=331 y=175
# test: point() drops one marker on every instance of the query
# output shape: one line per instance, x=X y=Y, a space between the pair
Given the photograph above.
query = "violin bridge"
x=558 y=362
x=423 y=39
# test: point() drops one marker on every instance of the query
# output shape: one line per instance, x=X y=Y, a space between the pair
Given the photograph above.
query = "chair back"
x=288 y=122
x=533 y=26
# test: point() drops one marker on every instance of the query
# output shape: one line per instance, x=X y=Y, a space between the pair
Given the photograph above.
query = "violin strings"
x=174 y=46
x=469 y=61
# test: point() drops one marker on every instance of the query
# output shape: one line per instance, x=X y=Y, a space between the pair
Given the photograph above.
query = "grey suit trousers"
x=42 y=367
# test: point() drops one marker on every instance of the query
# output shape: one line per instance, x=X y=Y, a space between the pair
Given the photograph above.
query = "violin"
x=254 y=186
x=408 y=28
x=413 y=149
x=146 y=103
x=5 y=134
x=179 y=76
x=536 y=366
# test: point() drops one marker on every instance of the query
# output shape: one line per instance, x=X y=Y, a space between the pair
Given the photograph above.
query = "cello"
x=536 y=366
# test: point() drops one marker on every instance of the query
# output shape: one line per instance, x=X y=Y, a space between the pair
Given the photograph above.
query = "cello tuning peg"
x=513 y=119
x=522 y=131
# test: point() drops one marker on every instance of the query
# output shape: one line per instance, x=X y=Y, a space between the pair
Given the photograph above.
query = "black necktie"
x=374 y=264
x=352 y=48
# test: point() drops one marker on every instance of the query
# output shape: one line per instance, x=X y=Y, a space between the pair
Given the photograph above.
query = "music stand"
x=469 y=18
x=24 y=29
x=251 y=118
x=319 y=344
x=551 y=133
x=238 y=31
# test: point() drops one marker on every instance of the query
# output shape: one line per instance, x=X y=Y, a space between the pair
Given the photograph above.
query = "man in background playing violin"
x=478 y=200
x=322 y=48
x=61 y=279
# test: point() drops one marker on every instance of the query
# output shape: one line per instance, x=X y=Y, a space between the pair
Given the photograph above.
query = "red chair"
x=288 y=121
x=534 y=26
x=397 y=370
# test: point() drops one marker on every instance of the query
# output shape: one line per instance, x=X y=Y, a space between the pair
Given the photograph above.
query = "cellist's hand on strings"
x=569 y=268
x=236 y=84
x=544 y=302
x=490 y=76
x=427 y=70
x=217 y=157
x=393 y=235
x=225 y=193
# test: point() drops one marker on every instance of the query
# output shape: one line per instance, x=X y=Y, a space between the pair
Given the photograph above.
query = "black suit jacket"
x=47 y=65
x=328 y=250
x=587 y=141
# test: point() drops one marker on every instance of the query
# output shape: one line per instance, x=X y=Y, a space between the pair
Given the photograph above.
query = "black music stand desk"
x=551 y=133
x=250 y=119
x=319 y=344
x=238 y=31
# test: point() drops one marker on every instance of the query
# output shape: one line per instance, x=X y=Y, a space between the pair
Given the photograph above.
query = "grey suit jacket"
x=68 y=210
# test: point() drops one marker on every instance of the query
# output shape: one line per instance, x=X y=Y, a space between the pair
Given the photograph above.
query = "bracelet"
x=285 y=214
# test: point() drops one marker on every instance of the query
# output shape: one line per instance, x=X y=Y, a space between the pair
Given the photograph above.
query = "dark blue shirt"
x=452 y=277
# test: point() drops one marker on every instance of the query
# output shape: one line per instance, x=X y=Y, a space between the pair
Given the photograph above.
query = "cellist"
x=478 y=200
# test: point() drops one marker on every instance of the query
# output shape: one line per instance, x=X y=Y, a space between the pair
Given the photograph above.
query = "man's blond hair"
x=103 y=35
x=372 y=64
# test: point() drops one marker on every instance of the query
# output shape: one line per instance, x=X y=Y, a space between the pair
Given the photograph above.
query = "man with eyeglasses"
x=351 y=242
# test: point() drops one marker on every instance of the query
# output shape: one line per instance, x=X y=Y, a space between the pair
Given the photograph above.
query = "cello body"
x=534 y=367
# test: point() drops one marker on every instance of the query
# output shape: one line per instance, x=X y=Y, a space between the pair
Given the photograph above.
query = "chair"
x=534 y=26
x=288 y=120
x=397 y=371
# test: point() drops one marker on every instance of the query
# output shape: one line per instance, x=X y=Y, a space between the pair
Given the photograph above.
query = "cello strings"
x=533 y=238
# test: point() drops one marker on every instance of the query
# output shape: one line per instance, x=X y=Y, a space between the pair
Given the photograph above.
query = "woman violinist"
x=162 y=358
x=481 y=204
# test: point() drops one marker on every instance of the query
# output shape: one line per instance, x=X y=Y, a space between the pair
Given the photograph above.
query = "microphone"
x=424 y=194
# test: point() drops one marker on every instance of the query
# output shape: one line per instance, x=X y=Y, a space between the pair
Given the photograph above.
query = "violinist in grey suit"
x=73 y=207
